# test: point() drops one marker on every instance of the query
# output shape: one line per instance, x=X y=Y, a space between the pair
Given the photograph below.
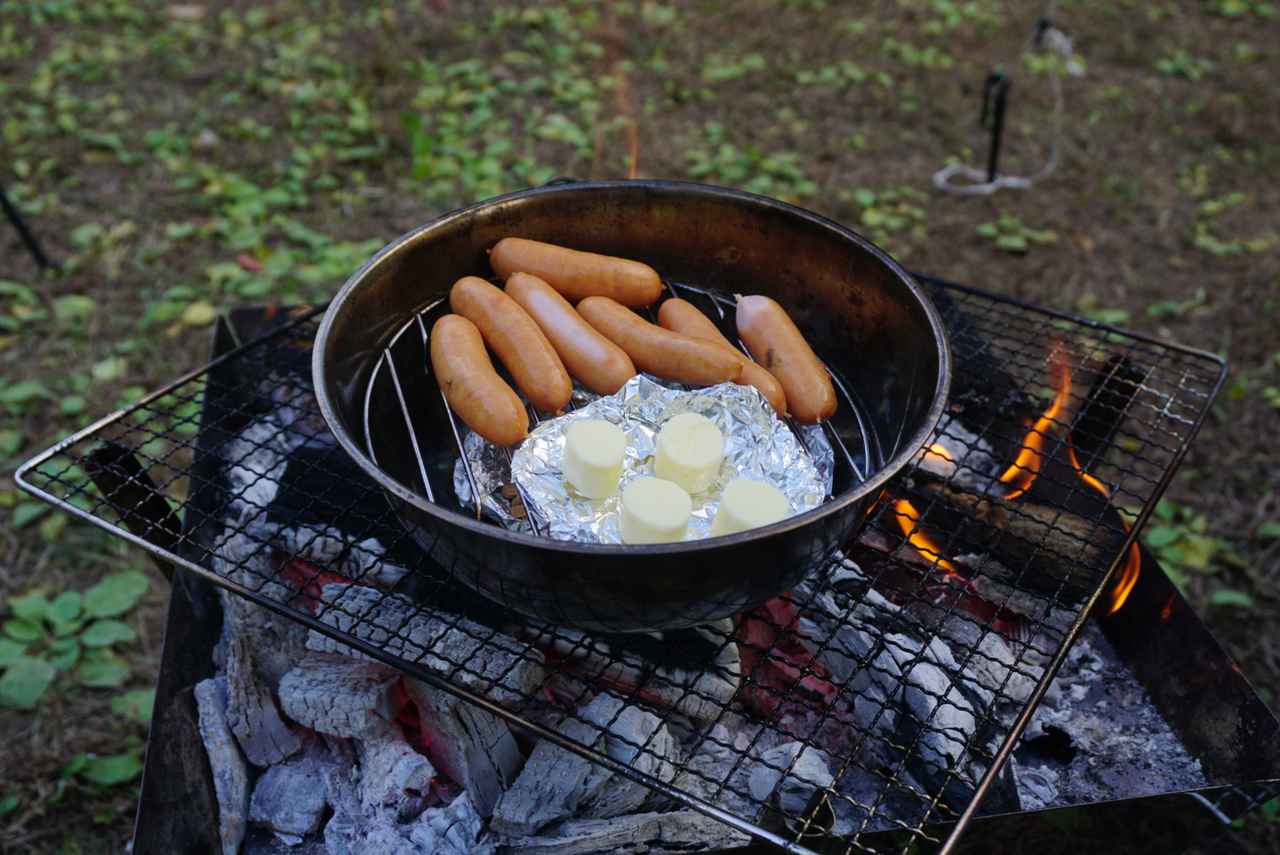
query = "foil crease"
x=758 y=445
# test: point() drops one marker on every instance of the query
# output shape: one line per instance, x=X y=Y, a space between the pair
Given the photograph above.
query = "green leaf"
x=115 y=594
x=28 y=512
x=65 y=607
x=32 y=606
x=23 y=630
x=111 y=368
x=106 y=632
x=1269 y=530
x=1166 y=510
x=199 y=314
x=10 y=442
x=24 y=682
x=102 y=669
x=9 y=803
x=86 y=234
x=74 y=765
x=135 y=704
x=73 y=307
x=64 y=653
x=1012 y=243
x=113 y=769
x=72 y=405
x=1230 y=597
x=1199 y=551
x=1161 y=535
x=10 y=651
x=987 y=230
x=23 y=392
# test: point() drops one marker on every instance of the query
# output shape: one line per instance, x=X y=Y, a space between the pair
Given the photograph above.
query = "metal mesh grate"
x=876 y=702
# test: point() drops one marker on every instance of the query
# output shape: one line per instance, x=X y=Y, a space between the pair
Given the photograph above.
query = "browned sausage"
x=683 y=317
x=661 y=352
x=513 y=335
x=773 y=338
x=577 y=274
x=598 y=363
x=473 y=389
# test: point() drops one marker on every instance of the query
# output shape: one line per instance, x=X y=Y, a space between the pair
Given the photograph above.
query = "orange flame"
x=939 y=451
x=1026 y=466
x=909 y=521
x=1133 y=563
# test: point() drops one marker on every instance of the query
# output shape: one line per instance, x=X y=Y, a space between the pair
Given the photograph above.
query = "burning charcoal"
x=945 y=719
x=339 y=696
x=865 y=797
x=989 y=662
x=289 y=798
x=637 y=739
x=678 y=831
x=230 y=777
x=473 y=747
x=393 y=776
x=493 y=663
x=699 y=691
x=789 y=775
x=717 y=772
x=256 y=462
x=331 y=549
x=959 y=455
x=451 y=830
x=251 y=710
x=552 y=785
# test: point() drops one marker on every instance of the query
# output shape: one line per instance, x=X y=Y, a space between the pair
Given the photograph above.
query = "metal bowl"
x=861 y=311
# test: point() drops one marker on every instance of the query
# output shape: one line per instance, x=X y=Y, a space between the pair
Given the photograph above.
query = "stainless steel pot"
x=861 y=311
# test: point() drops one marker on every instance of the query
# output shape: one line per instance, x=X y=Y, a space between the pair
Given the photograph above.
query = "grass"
x=177 y=159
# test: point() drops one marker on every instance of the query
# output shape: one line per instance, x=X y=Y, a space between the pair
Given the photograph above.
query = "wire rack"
x=867 y=668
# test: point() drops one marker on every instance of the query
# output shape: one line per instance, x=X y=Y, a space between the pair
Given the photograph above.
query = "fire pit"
x=375 y=704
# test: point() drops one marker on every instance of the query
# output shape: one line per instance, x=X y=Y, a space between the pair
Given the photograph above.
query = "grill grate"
x=241 y=446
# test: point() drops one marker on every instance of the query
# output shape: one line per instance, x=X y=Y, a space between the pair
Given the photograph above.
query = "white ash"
x=1099 y=731
x=636 y=834
x=473 y=747
x=395 y=780
x=789 y=776
x=289 y=798
x=453 y=829
x=251 y=709
x=491 y=662
x=332 y=549
x=1037 y=785
x=230 y=776
x=256 y=459
x=339 y=696
x=700 y=694
x=638 y=739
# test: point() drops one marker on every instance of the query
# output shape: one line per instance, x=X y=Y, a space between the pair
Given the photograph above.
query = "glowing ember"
x=909 y=521
x=1133 y=563
x=1026 y=466
x=938 y=453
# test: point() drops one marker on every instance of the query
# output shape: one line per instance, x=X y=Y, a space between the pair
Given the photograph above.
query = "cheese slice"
x=747 y=504
x=689 y=450
x=654 y=511
x=593 y=451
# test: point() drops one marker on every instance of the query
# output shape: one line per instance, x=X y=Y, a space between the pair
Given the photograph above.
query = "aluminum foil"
x=757 y=445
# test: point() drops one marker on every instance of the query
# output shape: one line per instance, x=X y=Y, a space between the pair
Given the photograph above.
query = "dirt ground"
x=176 y=159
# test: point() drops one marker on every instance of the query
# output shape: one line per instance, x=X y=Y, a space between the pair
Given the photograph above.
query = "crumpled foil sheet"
x=757 y=445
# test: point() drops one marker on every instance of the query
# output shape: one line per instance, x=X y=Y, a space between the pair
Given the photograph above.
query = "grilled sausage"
x=598 y=363
x=683 y=317
x=520 y=345
x=773 y=338
x=577 y=274
x=659 y=351
x=481 y=398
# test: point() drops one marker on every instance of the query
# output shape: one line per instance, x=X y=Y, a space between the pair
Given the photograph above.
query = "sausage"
x=773 y=338
x=659 y=351
x=520 y=345
x=577 y=274
x=473 y=389
x=598 y=363
x=683 y=317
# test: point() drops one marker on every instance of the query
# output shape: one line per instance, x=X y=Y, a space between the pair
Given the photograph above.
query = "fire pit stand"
x=882 y=697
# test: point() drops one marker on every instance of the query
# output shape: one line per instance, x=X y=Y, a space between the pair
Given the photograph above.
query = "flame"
x=939 y=451
x=909 y=521
x=1026 y=466
x=1133 y=563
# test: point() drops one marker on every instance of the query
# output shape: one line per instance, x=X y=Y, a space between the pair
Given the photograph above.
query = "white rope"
x=966 y=180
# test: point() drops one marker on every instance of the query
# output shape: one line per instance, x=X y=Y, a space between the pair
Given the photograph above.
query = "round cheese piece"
x=747 y=504
x=689 y=450
x=593 y=451
x=654 y=511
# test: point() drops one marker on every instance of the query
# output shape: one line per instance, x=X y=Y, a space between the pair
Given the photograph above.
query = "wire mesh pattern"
x=863 y=711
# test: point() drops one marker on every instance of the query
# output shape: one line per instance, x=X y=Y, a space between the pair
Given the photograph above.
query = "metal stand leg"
x=33 y=246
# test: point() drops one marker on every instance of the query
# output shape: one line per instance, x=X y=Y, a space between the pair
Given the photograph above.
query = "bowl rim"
x=908 y=449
